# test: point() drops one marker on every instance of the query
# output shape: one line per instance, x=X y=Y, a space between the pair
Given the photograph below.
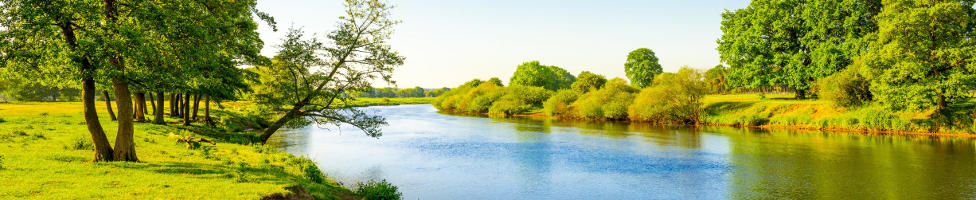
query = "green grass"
x=45 y=151
x=783 y=111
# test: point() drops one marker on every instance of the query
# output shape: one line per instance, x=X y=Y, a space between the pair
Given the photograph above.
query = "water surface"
x=437 y=156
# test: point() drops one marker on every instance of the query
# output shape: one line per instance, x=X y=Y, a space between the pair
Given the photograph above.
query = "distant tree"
x=496 y=81
x=436 y=92
x=588 y=81
x=410 y=92
x=641 y=67
x=715 y=80
x=312 y=81
x=924 y=56
x=549 y=77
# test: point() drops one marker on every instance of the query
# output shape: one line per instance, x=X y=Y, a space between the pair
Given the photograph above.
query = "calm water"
x=436 y=156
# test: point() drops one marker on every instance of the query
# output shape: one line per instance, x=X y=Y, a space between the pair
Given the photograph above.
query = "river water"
x=429 y=155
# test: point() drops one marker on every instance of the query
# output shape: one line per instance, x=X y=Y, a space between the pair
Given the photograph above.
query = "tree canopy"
x=641 y=67
x=549 y=77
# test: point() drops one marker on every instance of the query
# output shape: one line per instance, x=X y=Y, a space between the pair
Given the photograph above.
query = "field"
x=45 y=153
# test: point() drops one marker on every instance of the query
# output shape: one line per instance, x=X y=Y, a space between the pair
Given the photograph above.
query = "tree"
x=588 y=81
x=924 y=56
x=674 y=99
x=793 y=43
x=357 y=53
x=549 y=77
x=496 y=81
x=715 y=80
x=641 y=67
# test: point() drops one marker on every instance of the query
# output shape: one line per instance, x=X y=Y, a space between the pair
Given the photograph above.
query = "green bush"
x=610 y=103
x=82 y=143
x=519 y=99
x=845 y=88
x=672 y=99
x=381 y=190
x=587 y=81
x=560 y=104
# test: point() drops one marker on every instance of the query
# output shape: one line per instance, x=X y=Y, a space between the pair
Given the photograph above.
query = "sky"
x=449 y=42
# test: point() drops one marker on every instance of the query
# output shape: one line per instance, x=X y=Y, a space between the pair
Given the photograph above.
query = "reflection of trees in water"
x=791 y=164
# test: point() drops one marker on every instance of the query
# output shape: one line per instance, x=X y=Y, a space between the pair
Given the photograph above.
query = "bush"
x=519 y=99
x=560 y=104
x=611 y=102
x=673 y=99
x=381 y=190
x=82 y=143
x=588 y=81
x=845 y=88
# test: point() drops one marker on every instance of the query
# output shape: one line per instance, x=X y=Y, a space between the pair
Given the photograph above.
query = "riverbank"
x=781 y=111
x=45 y=153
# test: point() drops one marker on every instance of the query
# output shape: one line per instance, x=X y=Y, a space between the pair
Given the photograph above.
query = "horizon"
x=436 y=36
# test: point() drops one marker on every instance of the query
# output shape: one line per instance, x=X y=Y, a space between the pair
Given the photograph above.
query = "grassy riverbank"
x=45 y=151
x=781 y=111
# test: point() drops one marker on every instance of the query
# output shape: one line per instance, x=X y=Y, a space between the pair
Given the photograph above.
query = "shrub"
x=560 y=104
x=845 y=88
x=611 y=102
x=588 y=81
x=673 y=99
x=82 y=143
x=1 y=161
x=381 y=190
x=2 y=121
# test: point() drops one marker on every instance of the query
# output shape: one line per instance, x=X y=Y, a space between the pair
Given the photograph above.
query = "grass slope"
x=45 y=149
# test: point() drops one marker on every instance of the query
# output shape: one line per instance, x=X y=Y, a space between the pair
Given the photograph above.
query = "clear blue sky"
x=448 y=42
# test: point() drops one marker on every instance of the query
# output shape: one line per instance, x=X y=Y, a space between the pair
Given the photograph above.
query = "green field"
x=46 y=153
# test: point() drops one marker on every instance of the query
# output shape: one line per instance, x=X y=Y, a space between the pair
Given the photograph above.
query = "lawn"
x=45 y=149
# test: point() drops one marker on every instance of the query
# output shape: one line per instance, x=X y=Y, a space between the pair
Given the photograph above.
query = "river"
x=436 y=156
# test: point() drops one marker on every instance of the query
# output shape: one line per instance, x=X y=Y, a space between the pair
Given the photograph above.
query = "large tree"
x=924 y=56
x=310 y=76
x=641 y=67
x=793 y=43
x=535 y=74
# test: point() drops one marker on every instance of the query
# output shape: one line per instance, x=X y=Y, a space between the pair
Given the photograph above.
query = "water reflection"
x=437 y=156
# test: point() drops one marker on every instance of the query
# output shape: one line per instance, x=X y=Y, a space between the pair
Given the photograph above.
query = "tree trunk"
x=152 y=103
x=172 y=104
x=125 y=149
x=196 y=106
x=186 y=109
x=281 y=122
x=108 y=105
x=140 y=99
x=206 y=111
x=158 y=112
x=179 y=105
x=103 y=150
x=800 y=94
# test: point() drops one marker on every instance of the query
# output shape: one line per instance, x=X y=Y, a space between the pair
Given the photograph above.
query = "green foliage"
x=674 y=99
x=793 y=43
x=587 y=81
x=549 y=77
x=492 y=98
x=496 y=81
x=82 y=143
x=641 y=67
x=609 y=103
x=561 y=104
x=845 y=88
x=436 y=92
x=924 y=56
x=381 y=190
x=715 y=80
x=310 y=170
x=520 y=99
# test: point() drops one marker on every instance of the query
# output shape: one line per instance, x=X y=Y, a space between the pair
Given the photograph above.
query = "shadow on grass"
x=716 y=108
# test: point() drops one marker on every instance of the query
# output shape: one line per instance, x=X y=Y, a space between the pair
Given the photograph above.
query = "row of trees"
x=390 y=92
x=907 y=55
x=188 y=51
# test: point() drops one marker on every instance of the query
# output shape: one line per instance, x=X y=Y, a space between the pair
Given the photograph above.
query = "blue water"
x=429 y=155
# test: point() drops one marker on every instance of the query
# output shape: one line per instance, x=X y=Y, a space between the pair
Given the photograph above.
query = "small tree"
x=587 y=81
x=535 y=74
x=715 y=80
x=641 y=67
x=300 y=77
